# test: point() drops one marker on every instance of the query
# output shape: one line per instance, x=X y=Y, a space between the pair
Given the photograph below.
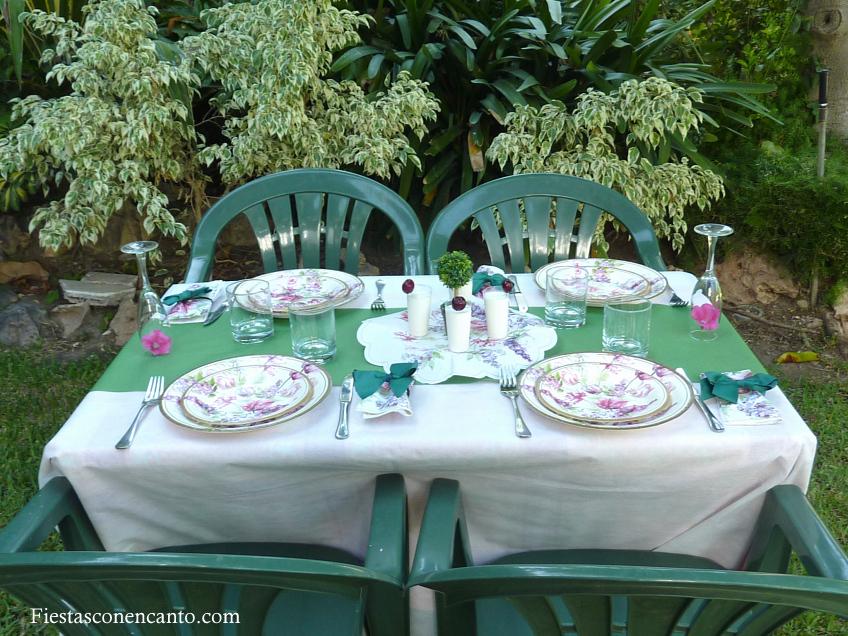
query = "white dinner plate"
x=679 y=388
x=611 y=280
x=171 y=404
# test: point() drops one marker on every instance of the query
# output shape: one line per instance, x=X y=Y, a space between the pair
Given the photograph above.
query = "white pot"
x=464 y=291
x=458 y=324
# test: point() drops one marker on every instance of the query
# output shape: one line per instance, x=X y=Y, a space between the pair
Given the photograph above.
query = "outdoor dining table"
x=677 y=487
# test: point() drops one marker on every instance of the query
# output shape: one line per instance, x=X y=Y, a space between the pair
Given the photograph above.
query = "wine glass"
x=706 y=297
x=151 y=312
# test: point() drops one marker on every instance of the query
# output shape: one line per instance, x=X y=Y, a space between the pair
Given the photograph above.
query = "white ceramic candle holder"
x=458 y=325
x=497 y=314
x=418 y=311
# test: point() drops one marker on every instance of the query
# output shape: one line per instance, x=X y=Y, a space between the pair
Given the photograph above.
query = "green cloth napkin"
x=479 y=280
x=398 y=378
x=188 y=294
x=715 y=384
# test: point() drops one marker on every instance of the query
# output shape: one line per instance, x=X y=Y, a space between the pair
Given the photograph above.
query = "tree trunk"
x=830 y=41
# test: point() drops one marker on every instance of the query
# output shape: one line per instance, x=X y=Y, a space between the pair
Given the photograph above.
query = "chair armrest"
x=443 y=540
x=54 y=505
x=387 y=541
x=789 y=521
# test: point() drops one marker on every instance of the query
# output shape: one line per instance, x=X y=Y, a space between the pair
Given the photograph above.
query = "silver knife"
x=345 y=398
x=715 y=424
x=516 y=293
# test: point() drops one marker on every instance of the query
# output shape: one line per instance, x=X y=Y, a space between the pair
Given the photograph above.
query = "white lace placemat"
x=386 y=340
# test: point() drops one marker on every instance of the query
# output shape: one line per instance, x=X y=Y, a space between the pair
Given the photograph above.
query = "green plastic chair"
x=296 y=208
x=577 y=200
x=612 y=592
x=291 y=589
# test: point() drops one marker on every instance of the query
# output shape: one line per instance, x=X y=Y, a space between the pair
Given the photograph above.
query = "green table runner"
x=195 y=345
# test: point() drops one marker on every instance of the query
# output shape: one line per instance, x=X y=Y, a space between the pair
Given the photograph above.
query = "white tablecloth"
x=678 y=487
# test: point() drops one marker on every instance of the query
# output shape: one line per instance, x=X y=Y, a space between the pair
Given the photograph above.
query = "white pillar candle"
x=497 y=314
x=458 y=324
x=418 y=311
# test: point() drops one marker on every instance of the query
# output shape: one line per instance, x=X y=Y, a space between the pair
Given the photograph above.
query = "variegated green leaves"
x=270 y=59
x=626 y=140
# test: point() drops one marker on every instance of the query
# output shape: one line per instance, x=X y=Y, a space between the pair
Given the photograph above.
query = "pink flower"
x=156 y=343
x=707 y=316
x=612 y=404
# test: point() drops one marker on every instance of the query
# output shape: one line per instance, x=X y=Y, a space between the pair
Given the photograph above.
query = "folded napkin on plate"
x=742 y=396
x=195 y=308
x=382 y=393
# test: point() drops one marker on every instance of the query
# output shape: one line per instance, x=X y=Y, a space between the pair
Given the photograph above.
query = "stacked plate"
x=611 y=280
x=310 y=287
x=245 y=393
x=605 y=390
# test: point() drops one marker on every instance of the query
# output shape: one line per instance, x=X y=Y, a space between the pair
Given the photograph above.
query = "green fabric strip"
x=195 y=345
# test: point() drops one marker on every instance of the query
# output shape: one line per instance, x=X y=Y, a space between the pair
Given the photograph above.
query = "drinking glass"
x=151 y=312
x=251 y=316
x=627 y=327
x=565 y=296
x=707 y=289
x=313 y=330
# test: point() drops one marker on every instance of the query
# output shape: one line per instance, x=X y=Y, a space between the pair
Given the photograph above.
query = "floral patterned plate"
x=386 y=340
x=611 y=280
x=245 y=394
x=679 y=388
x=171 y=404
x=602 y=392
x=311 y=285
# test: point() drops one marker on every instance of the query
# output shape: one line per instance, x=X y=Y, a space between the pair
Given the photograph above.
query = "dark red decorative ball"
x=458 y=303
x=507 y=286
x=408 y=286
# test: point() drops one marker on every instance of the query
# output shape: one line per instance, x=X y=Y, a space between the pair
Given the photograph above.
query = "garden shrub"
x=483 y=59
x=126 y=133
x=124 y=129
x=621 y=140
x=270 y=58
x=779 y=204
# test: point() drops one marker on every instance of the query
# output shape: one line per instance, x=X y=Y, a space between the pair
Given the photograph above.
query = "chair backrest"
x=291 y=211
x=269 y=594
x=604 y=600
x=578 y=206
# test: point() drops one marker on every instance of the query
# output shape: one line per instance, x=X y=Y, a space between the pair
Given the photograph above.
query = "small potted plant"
x=455 y=270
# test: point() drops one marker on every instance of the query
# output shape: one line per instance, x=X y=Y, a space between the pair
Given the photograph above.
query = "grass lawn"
x=39 y=394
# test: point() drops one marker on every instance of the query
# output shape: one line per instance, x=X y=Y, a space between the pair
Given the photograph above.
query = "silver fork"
x=677 y=301
x=509 y=389
x=155 y=388
x=378 y=304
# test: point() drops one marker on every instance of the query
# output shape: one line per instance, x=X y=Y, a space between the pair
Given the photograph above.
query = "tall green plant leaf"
x=12 y=10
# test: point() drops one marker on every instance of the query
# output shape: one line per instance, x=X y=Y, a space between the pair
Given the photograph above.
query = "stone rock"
x=747 y=277
x=13 y=240
x=17 y=327
x=123 y=323
x=70 y=317
x=99 y=288
x=13 y=270
x=7 y=296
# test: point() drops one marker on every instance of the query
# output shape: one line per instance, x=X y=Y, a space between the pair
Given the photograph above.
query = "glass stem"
x=711 y=252
x=142 y=272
